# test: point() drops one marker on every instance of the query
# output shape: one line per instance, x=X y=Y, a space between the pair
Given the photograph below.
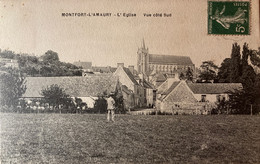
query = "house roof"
x=205 y=88
x=174 y=84
x=214 y=88
x=126 y=90
x=146 y=84
x=92 y=85
x=84 y=65
x=161 y=87
x=158 y=84
x=169 y=59
x=130 y=75
x=160 y=77
x=107 y=69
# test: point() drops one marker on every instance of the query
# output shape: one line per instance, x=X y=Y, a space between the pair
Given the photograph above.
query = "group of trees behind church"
x=239 y=68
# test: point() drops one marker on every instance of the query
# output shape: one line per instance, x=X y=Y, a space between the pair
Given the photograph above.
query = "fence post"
x=251 y=109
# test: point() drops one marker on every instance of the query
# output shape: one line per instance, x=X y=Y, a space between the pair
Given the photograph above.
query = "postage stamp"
x=229 y=17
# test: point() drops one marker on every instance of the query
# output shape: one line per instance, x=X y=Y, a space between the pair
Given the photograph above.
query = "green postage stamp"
x=228 y=17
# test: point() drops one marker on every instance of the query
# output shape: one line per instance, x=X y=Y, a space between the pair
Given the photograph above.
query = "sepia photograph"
x=129 y=81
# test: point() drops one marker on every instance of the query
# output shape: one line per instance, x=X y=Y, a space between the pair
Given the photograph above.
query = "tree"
x=208 y=71
x=50 y=57
x=80 y=105
x=248 y=77
x=225 y=71
x=119 y=102
x=12 y=87
x=7 y=54
x=241 y=71
x=189 y=74
x=257 y=92
x=245 y=55
x=255 y=57
x=46 y=65
x=235 y=66
x=181 y=77
x=56 y=97
x=100 y=105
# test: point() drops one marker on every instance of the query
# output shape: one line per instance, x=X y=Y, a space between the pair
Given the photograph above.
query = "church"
x=151 y=64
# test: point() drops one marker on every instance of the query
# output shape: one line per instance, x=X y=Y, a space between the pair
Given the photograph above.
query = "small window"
x=203 y=98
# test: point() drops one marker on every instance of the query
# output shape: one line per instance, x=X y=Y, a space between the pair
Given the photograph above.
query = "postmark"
x=229 y=17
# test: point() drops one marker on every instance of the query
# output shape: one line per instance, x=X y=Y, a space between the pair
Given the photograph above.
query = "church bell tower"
x=142 y=59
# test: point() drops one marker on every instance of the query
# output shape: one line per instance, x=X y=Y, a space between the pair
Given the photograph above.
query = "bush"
x=56 y=97
x=100 y=105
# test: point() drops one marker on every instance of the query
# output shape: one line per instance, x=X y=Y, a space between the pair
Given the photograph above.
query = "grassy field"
x=71 y=138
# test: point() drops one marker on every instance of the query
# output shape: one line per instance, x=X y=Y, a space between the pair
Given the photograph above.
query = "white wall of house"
x=90 y=101
x=149 y=96
x=124 y=79
x=210 y=97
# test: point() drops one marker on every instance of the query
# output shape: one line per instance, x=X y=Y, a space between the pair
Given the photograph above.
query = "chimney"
x=120 y=65
x=141 y=76
x=131 y=68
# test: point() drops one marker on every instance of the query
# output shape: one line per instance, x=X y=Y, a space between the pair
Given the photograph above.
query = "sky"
x=36 y=26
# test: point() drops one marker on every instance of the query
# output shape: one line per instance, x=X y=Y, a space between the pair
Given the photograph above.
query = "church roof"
x=169 y=59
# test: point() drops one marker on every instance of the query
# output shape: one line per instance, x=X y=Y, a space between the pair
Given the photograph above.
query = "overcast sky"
x=37 y=26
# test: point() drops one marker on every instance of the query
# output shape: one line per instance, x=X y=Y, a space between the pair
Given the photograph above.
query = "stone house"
x=193 y=98
x=149 y=90
x=127 y=78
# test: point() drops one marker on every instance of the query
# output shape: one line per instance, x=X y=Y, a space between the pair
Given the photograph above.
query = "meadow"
x=88 y=138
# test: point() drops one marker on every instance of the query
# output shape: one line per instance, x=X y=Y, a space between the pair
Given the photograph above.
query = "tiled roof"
x=174 y=84
x=160 y=77
x=92 y=85
x=214 y=88
x=84 y=65
x=148 y=85
x=130 y=75
x=168 y=59
x=107 y=69
x=158 y=84
x=162 y=87
x=206 y=88
x=126 y=90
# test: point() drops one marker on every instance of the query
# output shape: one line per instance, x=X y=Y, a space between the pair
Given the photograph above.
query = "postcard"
x=129 y=81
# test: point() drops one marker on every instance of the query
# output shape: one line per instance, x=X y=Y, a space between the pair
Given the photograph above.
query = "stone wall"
x=187 y=108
